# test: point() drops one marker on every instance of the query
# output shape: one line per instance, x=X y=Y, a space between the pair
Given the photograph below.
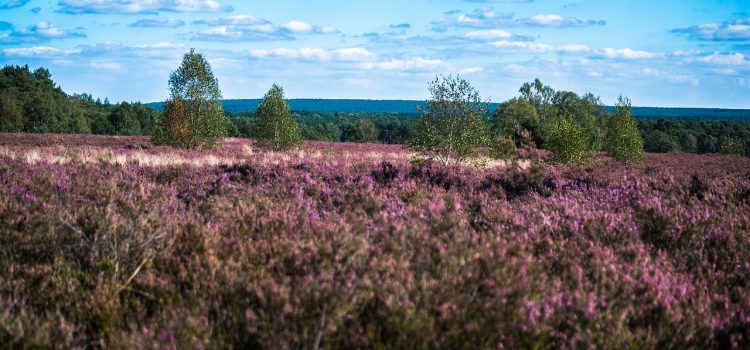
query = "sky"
x=668 y=53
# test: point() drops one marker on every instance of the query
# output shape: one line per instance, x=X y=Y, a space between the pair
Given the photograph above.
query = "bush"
x=503 y=148
x=624 y=141
x=568 y=143
x=732 y=146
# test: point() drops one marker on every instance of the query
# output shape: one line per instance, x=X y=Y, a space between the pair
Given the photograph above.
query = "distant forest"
x=410 y=107
x=30 y=101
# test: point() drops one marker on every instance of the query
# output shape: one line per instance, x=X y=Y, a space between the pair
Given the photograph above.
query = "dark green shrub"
x=503 y=148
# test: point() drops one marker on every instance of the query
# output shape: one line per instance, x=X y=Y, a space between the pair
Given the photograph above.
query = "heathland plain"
x=112 y=242
x=469 y=236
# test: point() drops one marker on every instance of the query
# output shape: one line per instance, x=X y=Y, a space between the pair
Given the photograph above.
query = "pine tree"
x=274 y=126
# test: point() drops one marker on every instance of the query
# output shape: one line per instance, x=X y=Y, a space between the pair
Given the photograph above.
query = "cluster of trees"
x=32 y=102
x=572 y=126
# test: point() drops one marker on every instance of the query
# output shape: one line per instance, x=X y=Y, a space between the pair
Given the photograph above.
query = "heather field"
x=111 y=242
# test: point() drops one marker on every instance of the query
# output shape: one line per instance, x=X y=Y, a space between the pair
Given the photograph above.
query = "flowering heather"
x=110 y=242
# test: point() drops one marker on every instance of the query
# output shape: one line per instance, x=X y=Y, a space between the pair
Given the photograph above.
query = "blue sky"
x=688 y=53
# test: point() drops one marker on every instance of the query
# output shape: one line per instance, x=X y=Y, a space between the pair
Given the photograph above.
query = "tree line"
x=574 y=125
x=32 y=102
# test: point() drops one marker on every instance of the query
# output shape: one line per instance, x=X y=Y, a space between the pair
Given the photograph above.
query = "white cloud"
x=139 y=6
x=726 y=71
x=158 y=22
x=251 y=28
x=164 y=45
x=574 y=48
x=39 y=51
x=492 y=34
x=354 y=54
x=673 y=78
x=734 y=30
x=721 y=59
x=629 y=53
x=40 y=32
x=10 y=4
x=412 y=64
x=489 y=18
x=299 y=27
x=554 y=20
x=470 y=70
x=523 y=46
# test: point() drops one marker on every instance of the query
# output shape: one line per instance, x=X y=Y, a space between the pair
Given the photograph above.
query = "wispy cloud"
x=489 y=18
x=158 y=23
x=716 y=58
x=498 y=1
x=411 y=64
x=11 y=4
x=671 y=77
x=139 y=6
x=554 y=20
x=363 y=58
x=39 y=51
x=354 y=54
x=251 y=28
x=628 y=53
x=733 y=30
x=40 y=32
x=523 y=46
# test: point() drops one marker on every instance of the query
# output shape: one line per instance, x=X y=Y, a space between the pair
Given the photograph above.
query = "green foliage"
x=707 y=144
x=624 y=141
x=660 y=142
x=125 y=119
x=454 y=123
x=587 y=111
x=196 y=106
x=514 y=116
x=503 y=148
x=274 y=126
x=11 y=113
x=362 y=131
x=691 y=135
x=540 y=96
x=174 y=129
x=568 y=143
x=732 y=146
